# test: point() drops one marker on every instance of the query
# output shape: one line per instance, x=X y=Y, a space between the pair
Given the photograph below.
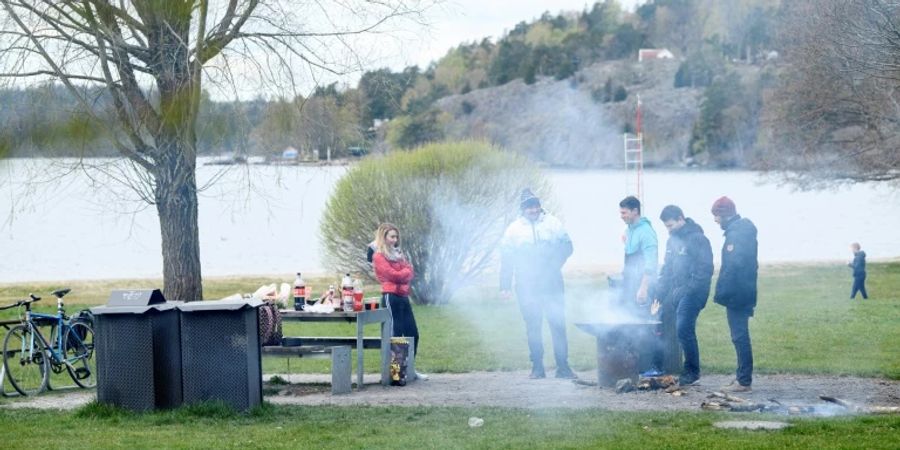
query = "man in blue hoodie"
x=641 y=254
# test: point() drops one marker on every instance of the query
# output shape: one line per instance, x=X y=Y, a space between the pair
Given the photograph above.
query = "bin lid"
x=135 y=297
x=101 y=310
x=220 y=305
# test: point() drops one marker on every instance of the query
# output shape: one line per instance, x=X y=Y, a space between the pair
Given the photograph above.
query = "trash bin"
x=220 y=352
x=138 y=351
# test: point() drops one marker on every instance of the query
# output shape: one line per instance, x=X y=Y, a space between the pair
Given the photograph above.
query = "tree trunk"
x=176 y=202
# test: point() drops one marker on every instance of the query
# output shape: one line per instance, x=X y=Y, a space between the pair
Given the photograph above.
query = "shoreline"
x=577 y=271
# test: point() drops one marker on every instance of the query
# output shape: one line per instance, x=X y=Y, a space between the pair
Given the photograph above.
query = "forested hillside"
x=560 y=88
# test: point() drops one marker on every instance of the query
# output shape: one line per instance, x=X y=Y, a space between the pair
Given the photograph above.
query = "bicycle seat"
x=61 y=292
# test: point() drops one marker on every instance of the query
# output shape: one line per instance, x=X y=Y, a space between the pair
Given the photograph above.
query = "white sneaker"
x=421 y=376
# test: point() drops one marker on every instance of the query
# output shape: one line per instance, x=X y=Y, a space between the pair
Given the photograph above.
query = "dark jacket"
x=859 y=264
x=533 y=253
x=688 y=266
x=736 y=286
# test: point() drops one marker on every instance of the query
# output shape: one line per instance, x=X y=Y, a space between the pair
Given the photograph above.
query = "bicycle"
x=28 y=356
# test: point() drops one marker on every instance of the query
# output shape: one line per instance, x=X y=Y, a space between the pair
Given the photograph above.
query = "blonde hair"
x=381 y=245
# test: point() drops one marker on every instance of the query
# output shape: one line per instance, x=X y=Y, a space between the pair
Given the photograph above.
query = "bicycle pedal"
x=82 y=373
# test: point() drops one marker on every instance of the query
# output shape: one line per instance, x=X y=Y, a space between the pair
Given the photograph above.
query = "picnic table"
x=361 y=318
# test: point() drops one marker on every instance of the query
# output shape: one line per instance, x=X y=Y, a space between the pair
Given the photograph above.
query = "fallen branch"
x=862 y=408
x=728 y=397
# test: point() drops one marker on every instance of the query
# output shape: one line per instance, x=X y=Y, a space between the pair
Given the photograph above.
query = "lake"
x=265 y=219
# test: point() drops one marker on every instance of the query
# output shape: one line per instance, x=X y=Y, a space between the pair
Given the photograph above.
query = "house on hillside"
x=646 y=54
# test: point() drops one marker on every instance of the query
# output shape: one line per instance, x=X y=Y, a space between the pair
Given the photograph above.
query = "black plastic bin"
x=138 y=351
x=220 y=353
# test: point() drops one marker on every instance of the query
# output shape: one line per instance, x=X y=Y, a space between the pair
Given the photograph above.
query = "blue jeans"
x=739 y=324
x=686 y=328
x=534 y=308
x=859 y=285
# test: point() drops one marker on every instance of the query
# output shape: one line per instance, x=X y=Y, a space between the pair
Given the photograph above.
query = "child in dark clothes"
x=859 y=271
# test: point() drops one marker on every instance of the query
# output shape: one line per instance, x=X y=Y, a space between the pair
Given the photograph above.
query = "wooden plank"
x=327 y=341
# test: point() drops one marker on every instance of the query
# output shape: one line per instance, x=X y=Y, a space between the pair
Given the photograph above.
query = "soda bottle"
x=299 y=293
x=347 y=293
x=357 y=296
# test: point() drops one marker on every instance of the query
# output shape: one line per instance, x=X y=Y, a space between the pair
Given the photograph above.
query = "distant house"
x=645 y=54
x=289 y=153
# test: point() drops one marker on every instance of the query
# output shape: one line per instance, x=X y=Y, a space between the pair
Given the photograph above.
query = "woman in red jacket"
x=395 y=272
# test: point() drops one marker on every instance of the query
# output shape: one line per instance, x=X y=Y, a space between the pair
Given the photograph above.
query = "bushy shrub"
x=452 y=201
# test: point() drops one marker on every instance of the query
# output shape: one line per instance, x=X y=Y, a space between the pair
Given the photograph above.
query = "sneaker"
x=654 y=372
x=421 y=376
x=565 y=372
x=537 y=372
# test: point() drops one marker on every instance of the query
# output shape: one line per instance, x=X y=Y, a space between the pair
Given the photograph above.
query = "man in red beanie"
x=736 y=286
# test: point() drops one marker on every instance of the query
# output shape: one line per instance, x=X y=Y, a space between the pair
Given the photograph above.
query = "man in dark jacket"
x=533 y=250
x=859 y=271
x=683 y=285
x=736 y=286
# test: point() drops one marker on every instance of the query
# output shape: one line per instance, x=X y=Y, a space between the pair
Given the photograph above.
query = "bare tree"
x=153 y=56
x=836 y=115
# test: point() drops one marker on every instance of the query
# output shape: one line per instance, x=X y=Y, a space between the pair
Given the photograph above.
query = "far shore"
x=318 y=276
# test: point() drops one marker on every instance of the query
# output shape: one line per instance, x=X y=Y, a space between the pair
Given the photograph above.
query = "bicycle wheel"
x=80 y=362
x=25 y=361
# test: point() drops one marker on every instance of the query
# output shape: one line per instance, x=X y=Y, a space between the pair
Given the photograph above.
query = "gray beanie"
x=527 y=198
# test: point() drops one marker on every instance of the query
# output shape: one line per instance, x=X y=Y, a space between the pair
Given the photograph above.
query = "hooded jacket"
x=534 y=252
x=688 y=266
x=736 y=286
x=641 y=249
x=859 y=264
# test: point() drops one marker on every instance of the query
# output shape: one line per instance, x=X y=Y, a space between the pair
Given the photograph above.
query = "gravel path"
x=514 y=389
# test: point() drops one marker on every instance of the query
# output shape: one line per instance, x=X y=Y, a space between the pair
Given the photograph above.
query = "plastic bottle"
x=347 y=293
x=357 y=296
x=299 y=293
x=329 y=298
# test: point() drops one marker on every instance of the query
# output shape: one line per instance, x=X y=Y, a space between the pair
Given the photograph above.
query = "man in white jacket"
x=533 y=251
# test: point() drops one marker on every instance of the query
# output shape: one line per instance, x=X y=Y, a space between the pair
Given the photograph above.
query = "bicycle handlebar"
x=22 y=302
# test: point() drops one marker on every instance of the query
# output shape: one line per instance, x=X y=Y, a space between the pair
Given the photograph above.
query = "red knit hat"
x=724 y=207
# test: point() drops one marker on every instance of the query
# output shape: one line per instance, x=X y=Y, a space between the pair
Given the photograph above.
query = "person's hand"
x=654 y=307
x=505 y=294
x=642 y=295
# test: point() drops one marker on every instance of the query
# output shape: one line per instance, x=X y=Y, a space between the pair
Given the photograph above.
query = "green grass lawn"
x=324 y=427
x=804 y=324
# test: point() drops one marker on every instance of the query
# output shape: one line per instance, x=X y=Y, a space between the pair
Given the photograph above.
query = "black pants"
x=402 y=316
x=859 y=285
x=534 y=308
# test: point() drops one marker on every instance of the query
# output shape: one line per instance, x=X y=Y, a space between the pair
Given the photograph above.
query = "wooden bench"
x=340 y=361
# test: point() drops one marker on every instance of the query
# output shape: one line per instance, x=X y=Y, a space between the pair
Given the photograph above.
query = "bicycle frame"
x=56 y=352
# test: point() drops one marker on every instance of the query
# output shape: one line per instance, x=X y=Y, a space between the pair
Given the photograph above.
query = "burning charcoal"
x=624 y=385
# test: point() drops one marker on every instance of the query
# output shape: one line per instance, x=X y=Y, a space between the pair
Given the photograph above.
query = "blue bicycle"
x=28 y=356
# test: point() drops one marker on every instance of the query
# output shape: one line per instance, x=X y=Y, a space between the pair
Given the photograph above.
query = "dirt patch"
x=516 y=390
